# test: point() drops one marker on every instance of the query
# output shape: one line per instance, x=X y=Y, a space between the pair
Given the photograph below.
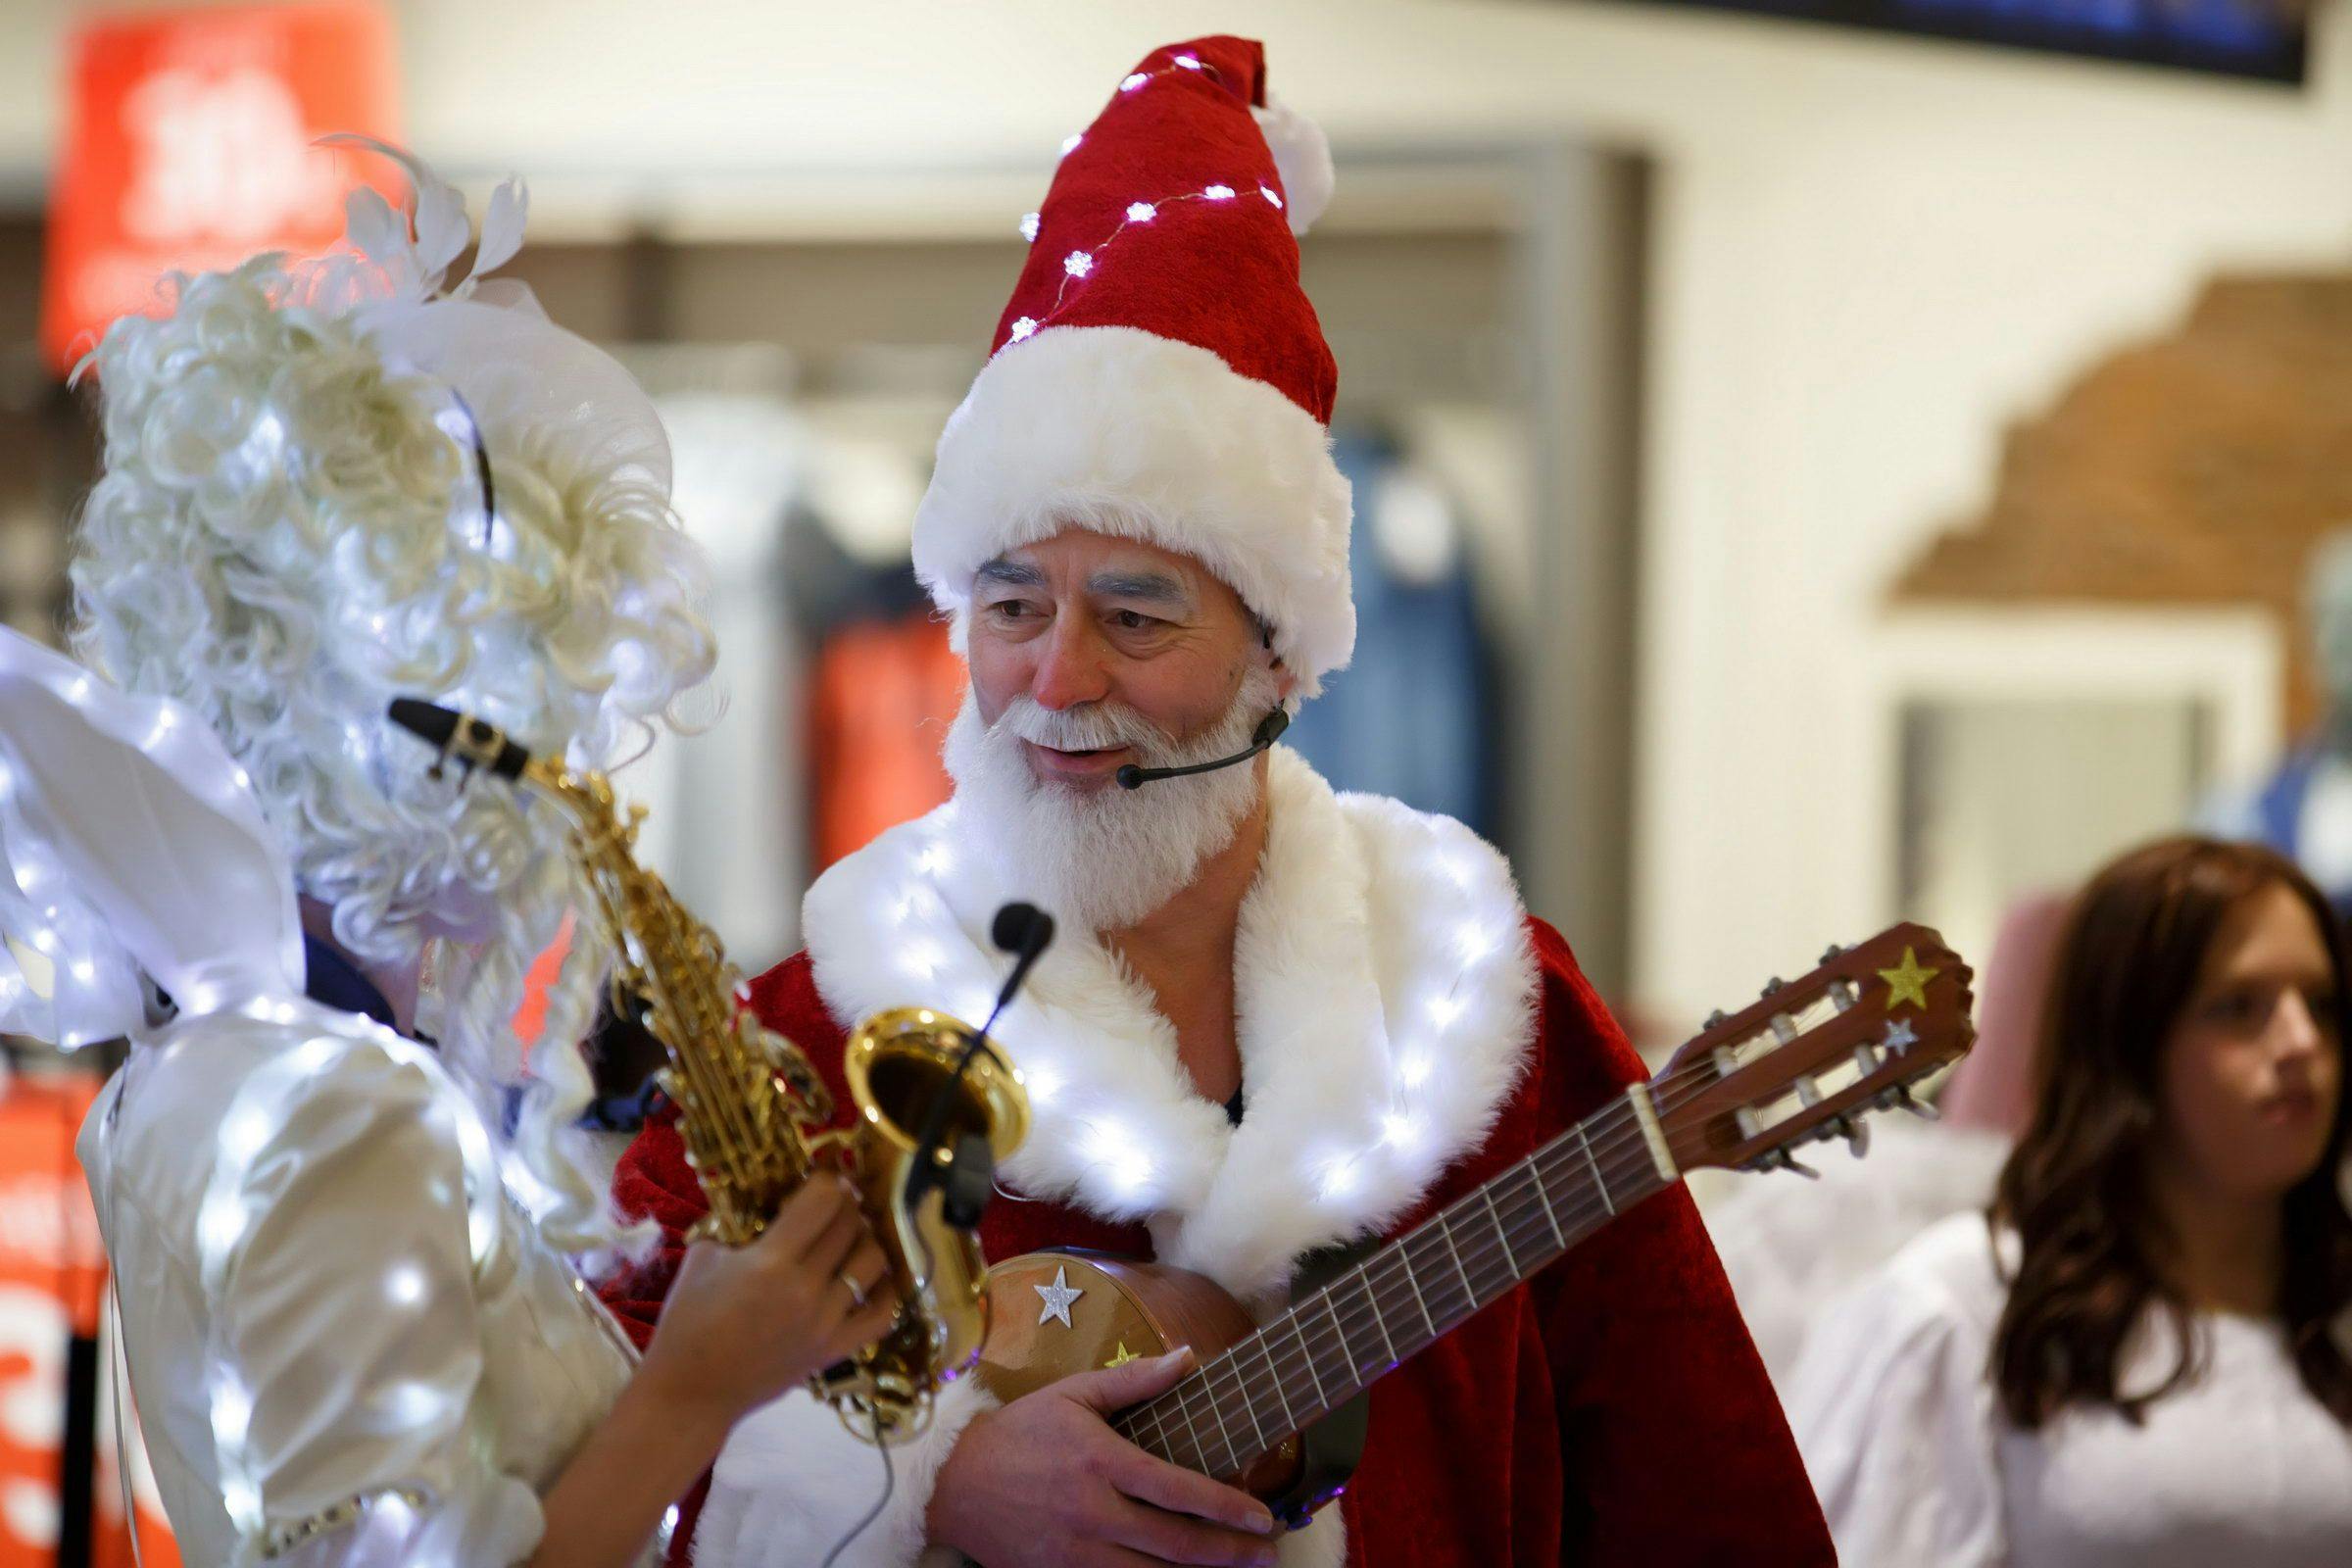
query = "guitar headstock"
x=1811 y=1056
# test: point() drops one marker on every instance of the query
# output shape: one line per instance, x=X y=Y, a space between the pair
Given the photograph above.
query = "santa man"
x=1278 y=1017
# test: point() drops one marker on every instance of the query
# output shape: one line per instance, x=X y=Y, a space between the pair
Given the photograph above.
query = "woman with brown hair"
x=2141 y=1356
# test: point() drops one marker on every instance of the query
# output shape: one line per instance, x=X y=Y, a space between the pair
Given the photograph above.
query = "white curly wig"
x=327 y=487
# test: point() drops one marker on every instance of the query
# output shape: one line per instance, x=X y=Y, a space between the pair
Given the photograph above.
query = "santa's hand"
x=1046 y=1482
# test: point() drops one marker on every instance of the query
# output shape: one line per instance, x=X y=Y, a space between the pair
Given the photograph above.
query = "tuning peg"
x=1789 y=1161
x=1714 y=1019
x=1899 y=1097
x=1856 y=1134
x=1833 y=952
x=1774 y=984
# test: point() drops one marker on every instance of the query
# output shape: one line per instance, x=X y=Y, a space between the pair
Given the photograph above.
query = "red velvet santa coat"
x=1407 y=1032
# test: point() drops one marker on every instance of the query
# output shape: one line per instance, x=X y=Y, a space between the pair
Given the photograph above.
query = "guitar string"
x=1222 y=1377
x=1615 y=1147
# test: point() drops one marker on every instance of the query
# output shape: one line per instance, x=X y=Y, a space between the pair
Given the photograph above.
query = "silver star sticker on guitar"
x=1058 y=1299
x=1900 y=1036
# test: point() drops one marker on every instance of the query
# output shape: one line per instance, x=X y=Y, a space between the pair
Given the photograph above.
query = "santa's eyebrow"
x=1146 y=587
x=1010 y=573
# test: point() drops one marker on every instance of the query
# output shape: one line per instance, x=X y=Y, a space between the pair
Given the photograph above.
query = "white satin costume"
x=347 y=1344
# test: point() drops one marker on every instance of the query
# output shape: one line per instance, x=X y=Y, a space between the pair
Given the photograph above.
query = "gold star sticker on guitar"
x=1907 y=982
x=1122 y=1357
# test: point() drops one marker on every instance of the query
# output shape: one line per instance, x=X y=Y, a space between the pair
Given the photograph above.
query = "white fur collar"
x=1384 y=991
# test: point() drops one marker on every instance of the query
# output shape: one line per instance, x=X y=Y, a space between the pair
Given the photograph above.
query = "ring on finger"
x=856 y=1295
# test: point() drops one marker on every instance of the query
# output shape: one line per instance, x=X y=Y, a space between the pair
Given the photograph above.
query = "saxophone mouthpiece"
x=462 y=738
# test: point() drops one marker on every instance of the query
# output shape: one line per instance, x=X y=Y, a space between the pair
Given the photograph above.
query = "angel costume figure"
x=350 y=1325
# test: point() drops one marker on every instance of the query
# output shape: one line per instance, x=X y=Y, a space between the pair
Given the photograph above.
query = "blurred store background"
x=1814 y=466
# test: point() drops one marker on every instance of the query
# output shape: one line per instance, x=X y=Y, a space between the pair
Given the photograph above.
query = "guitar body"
x=1125 y=1311
x=1284 y=1417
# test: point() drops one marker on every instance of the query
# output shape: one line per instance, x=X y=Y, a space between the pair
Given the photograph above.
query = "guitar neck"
x=1331 y=1344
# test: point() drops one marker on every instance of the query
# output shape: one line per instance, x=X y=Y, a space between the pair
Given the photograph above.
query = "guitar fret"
x=1405 y=1260
x=1508 y=1256
x=1265 y=1353
x=1157 y=1434
x=1249 y=1409
x=1445 y=1230
x=1587 y=1143
x=1544 y=1199
x=1184 y=1408
x=1298 y=1332
x=1233 y=1455
x=1372 y=1300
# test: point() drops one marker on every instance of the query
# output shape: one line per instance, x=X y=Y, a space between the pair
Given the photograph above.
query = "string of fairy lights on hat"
x=1079 y=264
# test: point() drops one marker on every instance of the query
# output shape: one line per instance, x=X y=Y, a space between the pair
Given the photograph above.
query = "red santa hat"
x=1159 y=373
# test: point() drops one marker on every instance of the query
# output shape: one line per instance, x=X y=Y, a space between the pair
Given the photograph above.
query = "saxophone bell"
x=898 y=1066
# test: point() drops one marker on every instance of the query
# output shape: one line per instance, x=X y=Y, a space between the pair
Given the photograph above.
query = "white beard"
x=1100 y=860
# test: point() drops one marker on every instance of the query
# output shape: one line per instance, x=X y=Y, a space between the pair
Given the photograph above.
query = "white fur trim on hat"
x=1301 y=160
x=1129 y=433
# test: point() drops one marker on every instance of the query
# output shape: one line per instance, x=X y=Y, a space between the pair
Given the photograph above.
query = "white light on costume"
x=1022 y=328
x=924 y=959
x=1141 y=211
x=414 y=1405
x=77 y=690
x=1339 y=1178
x=1443 y=1011
x=1071 y=145
x=1129 y=1170
x=1078 y=263
x=243 y=1134
x=1042 y=1084
x=1475 y=943
x=1400 y=1132
x=242 y=1502
x=1267 y=191
x=1413 y=1070
x=1029 y=225
x=1133 y=83
x=937 y=860
x=220 y=1224
x=1219 y=193
x=83 y=971
x=232 y=1412
x=1188 y=62
x=8 y=780
x=313 y=1056
x=405 y=1285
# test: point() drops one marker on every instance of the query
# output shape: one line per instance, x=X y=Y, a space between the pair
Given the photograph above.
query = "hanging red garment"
x=880 y=704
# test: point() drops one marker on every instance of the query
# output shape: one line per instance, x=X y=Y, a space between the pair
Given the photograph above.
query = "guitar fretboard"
x=1331 y=1344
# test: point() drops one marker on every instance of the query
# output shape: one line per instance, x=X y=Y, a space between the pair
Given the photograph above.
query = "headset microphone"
x=1269 y=731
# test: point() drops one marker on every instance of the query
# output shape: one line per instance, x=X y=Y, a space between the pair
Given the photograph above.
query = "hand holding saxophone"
x=745 y=1324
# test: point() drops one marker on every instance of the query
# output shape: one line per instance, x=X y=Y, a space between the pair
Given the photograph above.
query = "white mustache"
x=1093 y=728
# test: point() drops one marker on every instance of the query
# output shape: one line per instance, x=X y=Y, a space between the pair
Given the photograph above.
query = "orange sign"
x=188 y=146
x=52 y=1272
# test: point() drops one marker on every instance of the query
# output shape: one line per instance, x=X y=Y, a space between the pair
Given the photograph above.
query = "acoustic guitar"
x=1805 y=1063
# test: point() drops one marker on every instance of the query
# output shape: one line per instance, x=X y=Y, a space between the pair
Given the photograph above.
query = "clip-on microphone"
x=1269 y=731
x=969 y=1175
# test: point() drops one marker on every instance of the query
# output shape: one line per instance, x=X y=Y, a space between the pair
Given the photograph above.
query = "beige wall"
x=1869 y=253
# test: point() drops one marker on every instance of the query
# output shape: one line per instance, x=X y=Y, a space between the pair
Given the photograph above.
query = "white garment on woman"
x=347 y=1345
x=1916 y=1464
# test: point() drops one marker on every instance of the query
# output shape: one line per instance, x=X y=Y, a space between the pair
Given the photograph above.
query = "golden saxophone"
x=752 y=1111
